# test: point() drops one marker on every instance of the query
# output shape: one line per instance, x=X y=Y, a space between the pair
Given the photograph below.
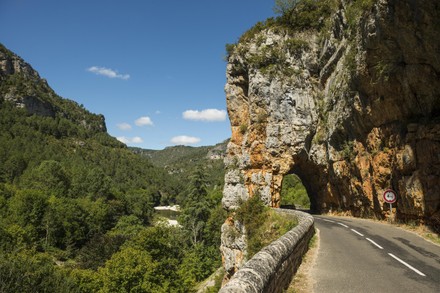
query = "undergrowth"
x=263 y=225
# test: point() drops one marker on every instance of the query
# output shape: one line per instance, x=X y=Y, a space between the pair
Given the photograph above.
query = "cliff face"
x=352 y=108
x=22 y=85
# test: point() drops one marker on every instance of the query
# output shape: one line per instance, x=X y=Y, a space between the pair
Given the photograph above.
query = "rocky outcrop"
x=352 y=109
x=23 y=86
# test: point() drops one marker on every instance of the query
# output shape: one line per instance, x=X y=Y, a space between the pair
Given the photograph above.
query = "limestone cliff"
x=348 y=99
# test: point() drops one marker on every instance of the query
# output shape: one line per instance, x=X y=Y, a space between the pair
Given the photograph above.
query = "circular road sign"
x=390 y=196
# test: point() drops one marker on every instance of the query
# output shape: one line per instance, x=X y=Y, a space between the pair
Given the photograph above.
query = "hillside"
x=181 y=161
x=76 y=205
x=38 y=125
x=170 y=156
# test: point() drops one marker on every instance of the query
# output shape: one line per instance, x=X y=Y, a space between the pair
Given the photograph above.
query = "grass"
x=263 y=225
x=421 y=230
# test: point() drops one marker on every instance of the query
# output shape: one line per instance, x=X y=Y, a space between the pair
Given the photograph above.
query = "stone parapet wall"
x=272 y=269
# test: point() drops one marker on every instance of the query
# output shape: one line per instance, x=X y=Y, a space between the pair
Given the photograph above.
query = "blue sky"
x=153 y=68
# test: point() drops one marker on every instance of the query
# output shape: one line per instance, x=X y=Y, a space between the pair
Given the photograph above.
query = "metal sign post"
x=390 y=196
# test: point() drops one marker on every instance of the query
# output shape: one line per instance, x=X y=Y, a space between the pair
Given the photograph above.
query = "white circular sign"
x=389 y=196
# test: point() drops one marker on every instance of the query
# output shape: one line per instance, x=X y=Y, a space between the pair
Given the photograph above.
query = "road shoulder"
x=302 y=281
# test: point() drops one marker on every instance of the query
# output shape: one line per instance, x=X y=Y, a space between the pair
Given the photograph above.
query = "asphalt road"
x=357 y=255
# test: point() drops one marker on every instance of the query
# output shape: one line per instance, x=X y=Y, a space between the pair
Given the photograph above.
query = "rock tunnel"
x=352 y=115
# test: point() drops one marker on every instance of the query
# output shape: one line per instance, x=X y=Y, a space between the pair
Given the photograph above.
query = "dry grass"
x=302 y=282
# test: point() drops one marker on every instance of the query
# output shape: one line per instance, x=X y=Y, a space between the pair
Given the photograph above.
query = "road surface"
x=357 y=255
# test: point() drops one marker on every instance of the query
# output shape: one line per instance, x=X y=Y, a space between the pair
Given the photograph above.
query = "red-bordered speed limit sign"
x=389 y=196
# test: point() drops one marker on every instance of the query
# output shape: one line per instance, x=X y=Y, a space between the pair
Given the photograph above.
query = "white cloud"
x=205 y=115
x=128 y=140
x=124 y=126
x=143 y=121
x=107 y=72
x=137 y=139
x=185 y=140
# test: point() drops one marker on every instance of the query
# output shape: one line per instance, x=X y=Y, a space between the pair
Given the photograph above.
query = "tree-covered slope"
x=182 y=161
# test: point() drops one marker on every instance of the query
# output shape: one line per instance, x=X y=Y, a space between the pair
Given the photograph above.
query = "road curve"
x=358 y=255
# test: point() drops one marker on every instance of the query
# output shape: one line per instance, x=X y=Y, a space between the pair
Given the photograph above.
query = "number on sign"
x=389 y=196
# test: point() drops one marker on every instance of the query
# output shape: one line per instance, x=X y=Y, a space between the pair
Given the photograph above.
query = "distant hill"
x=183 y=160
x=173 y=155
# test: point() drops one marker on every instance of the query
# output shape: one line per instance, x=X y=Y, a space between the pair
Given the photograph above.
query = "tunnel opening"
x=294 y=194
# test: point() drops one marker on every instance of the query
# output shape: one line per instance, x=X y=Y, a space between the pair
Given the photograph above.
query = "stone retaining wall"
x=272 y=268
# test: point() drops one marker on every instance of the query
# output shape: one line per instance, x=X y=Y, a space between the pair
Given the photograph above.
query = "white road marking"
x=409 y=266
x=374 y=243
x=360 y=234
x=343 y=225
x=380 y=247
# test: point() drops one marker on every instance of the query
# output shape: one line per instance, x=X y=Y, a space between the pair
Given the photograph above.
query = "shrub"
x=262 y=224
x=252 y=213
x=243 y=128
x=230 y=50
x=308 y=14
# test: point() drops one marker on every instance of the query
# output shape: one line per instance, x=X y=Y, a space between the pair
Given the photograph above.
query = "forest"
x=76 y=205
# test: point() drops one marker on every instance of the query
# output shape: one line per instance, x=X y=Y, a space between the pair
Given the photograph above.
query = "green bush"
x=31 y=272
x=355 y=11
x=229 y=50
x=263 y=225
x=308 y=14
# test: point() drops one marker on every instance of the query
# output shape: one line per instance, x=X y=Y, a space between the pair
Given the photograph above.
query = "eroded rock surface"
x=352 y=110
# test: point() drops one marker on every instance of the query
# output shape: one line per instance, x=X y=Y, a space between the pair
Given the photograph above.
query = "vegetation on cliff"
x=262 y=225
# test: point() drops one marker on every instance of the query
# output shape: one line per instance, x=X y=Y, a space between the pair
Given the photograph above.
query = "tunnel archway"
x=293 y=193
x=310 y=182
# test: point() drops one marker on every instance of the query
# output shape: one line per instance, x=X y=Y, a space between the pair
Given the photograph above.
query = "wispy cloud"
x=107 y=72
x=124 y=126
x=205 y=115
x=185 y=140
x=128 y=140
x=143 y=121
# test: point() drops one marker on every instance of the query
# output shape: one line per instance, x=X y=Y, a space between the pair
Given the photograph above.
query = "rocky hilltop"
x=23 y=86
x=345 y=94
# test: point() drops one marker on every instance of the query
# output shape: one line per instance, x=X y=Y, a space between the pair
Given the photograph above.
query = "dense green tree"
x=27 y=209
x=212 y=232
x=98 y=250
x=196 y=209
x=167 y=246
x=127 y=226
x=50 y=177
x=140 y=204
x=30 y=272
x=91 y=182
x=130 y=270
x=86 y=280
